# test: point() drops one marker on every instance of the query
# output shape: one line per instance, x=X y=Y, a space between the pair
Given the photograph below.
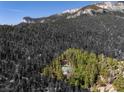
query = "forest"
x=27 y=49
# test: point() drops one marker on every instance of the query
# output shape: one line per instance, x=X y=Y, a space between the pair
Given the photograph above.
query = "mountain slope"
x=27 y=48
x=95 y=9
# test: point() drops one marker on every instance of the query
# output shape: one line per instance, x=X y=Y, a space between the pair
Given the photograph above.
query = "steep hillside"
x=28 y=48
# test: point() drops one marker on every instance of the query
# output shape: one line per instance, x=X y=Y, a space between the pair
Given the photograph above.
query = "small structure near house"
x=66 y=68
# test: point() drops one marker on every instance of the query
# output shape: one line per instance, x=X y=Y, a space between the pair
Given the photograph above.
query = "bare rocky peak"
x=94 y=9
x=105 y=5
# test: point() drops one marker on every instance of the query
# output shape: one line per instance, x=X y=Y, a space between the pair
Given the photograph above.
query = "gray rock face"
x=28 y=20
x=95 y=9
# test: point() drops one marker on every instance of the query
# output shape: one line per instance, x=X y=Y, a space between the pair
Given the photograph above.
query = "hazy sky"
x=12 y=12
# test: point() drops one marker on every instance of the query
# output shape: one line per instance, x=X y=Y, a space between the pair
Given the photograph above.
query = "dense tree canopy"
x=25 y=49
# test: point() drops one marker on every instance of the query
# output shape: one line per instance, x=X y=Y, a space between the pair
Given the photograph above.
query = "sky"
x=12 y=12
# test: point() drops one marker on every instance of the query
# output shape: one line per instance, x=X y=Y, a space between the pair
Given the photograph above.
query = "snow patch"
x=71 y=10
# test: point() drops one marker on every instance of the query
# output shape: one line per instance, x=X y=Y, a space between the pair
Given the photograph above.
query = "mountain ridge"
x=94 y=9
